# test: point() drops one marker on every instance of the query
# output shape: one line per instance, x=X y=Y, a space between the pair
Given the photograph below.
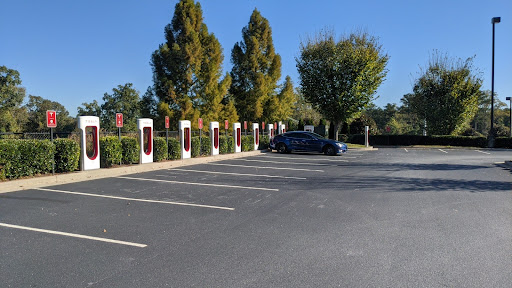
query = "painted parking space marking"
x=198 y=184
x=281 y=162
x=237 y=174
x=316 y=159
x=406 y=150
x=73 y=235
x=136 y=199
x=483 y=152
x=442 y=151
x=260 y=167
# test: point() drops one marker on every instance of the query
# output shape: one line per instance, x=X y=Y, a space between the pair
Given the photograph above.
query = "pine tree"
x=187 y=68
x=280 y=106
x=256 y=69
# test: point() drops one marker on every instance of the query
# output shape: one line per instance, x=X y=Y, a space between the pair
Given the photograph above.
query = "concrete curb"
x=24 y=184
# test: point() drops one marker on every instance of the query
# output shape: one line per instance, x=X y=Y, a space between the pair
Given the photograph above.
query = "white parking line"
x=135 y=199
x=406 y=150
x=442 y=151
x=281 y=162
x=483 y=152
x=237 y=174
x=73 y=235
x=315 y=159
x=260 y=167
x=199 y=184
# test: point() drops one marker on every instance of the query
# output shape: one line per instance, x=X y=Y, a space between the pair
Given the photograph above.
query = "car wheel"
x=329 y=150
x=281 y=148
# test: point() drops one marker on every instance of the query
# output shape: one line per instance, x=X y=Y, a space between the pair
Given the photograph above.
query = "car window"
x=293 y=135
x=317 y=135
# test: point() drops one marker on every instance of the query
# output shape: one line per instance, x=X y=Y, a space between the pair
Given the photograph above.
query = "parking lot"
x=392 y=217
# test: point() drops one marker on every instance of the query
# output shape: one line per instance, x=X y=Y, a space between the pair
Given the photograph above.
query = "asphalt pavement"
x=395 y=217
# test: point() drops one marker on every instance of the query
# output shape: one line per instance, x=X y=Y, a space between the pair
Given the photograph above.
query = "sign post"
x=200 y=125
x=119 y=124
x=167 y=130
x=226 y=123
x=245 y=128
x=51 y=122
x=263 y=128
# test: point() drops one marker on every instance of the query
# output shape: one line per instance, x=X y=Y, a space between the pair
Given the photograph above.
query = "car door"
x=312 y=144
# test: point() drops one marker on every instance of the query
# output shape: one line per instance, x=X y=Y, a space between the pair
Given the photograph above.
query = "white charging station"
x=279 y=127
x=237 y=137
x=270 y=130
x=89 y=142
x=256 y=135
x=214 y=135
x=185 y=139
x=145 y=129
x=282 y=129
x=309 y=128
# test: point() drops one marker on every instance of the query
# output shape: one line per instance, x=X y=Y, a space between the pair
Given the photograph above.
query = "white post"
x=185 y=139
x=367 y=136
x=237 y=137
x=89 y=160
x=256 y=135
x=214 y=135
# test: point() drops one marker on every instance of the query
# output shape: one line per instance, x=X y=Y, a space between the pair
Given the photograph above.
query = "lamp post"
x=510 y=106
x=491 y=136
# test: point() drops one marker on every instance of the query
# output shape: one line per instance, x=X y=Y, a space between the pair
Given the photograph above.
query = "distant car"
x=306 y=141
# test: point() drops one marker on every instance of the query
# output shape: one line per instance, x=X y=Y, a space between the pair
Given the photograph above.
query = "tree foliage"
x=340 y=78
x=280 y=106
x=256 y=70
x=124 y=99
x=445 y=95
x=12 y=116
x=187 y=69
x=37 y=107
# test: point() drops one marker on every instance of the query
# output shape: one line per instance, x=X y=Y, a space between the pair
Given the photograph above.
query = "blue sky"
x=75 y=51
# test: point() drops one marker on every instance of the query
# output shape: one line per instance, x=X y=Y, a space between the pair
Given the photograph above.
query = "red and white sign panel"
x=226 y=124
x=245 y=125
x=275 y=125
x=167 y=122
x=119 y=120
x=263 y=125
x=200 y=123
x=51 y=119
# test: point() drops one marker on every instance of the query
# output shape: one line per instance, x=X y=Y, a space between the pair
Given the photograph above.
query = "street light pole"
x=491 y=136
x=510 y=109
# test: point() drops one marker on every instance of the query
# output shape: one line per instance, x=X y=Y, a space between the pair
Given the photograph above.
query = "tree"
x=280 y=106
x=124 y=99
x=148 y=105
x=187 y=69
x=304 y=111
x=446 y=95
x=37 y=107
x=340 y=78
x=11 y=97
x=90 y=109
x=256 y=69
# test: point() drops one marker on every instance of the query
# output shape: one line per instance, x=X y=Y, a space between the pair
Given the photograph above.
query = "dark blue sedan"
x=306 y=141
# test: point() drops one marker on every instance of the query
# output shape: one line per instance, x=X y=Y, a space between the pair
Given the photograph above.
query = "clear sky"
x=73 y=51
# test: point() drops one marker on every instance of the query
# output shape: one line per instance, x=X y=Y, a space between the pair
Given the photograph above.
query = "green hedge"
x=131 y=150
x=174 y=149
x=226 y=144
x=20 y=158
x=264 y=142
x=111 y=151
x=247 y=143
x=67 y=155
x=408 y=140
x=503 y=142
x=160 y=150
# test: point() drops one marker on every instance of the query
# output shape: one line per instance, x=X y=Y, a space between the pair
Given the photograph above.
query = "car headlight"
x=339 y=145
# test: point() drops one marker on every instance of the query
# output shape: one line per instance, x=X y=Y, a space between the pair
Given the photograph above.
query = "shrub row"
x=408 y=140
x=20 y=158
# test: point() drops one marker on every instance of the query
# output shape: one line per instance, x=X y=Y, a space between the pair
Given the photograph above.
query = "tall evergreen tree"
x=280 y=106
x=187 y=68
x=256 y=69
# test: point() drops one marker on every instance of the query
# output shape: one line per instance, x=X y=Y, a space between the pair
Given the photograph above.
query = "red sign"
x=263 y=125
x=167 y=122
x=226 y=124
x=51 y=119
x=275 y=126
x=119 y=120
x=245 y=125
x=200 y=123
